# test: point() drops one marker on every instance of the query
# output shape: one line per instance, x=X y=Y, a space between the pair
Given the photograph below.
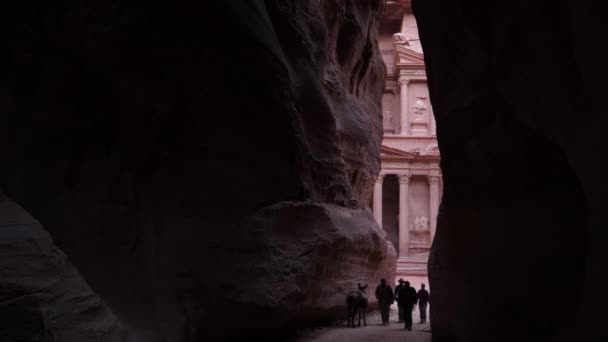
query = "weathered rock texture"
x=42 y=297
x=517 y=89
x=203 y=164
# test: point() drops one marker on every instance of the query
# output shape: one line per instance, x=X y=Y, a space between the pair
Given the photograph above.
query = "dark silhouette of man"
x=384 y=294
x=397 y=289
x=408 y=298
x=424 y=299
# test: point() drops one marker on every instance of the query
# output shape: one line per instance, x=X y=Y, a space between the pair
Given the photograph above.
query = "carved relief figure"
x=422 y=224
x=420 y=106
x=415 y=224
x=420 y=229
x=387 y=118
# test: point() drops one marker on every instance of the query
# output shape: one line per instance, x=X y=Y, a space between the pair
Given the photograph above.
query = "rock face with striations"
x=206 y=166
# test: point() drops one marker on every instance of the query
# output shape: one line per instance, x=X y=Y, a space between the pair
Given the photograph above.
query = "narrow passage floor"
x=374 y=331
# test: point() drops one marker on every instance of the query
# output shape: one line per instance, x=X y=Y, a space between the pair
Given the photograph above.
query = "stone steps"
x=414 y=266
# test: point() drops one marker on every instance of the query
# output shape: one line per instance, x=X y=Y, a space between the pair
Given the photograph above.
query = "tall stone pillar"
x=433 y=124
x=404 y=83
x=378 y=200
x=404 y=232
x=434 y=202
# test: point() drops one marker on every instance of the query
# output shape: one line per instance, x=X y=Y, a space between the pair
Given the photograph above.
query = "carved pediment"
x=404 y=55
x=408 y=59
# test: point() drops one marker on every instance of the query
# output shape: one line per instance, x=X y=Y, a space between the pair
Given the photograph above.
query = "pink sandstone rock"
x=158 y=139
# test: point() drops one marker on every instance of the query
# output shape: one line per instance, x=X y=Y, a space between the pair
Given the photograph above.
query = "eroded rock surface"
x=42 y=295
x=522 y=221
x=300 y=260
x=141 y=136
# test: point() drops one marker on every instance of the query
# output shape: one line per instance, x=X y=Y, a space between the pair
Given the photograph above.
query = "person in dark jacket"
x=400 y=307
x=408 y=298
x=424 y=299
x=384 y=294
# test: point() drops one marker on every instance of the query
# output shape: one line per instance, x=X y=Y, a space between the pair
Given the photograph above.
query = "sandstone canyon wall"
x=517 y=89
x=204 y=165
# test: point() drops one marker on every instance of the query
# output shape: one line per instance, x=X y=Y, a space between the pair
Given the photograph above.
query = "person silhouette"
x=399 y=306
x=384 y=294
x=424 y=299
x=408 y=298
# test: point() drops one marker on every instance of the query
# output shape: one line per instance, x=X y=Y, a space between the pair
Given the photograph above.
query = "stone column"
x=404 y=232
x=434 y=203
x=404 y=83
x=433 y=124
x=378 y=200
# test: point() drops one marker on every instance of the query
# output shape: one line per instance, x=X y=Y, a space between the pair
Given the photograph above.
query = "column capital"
x=380 y=178
x=403 y=81
x=433 y=179
x=404 y=179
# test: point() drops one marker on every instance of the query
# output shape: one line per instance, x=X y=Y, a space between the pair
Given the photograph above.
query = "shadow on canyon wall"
x=516 y=90
x=188 y=172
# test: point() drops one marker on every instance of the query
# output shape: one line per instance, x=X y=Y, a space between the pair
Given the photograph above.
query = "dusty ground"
x=374 y=331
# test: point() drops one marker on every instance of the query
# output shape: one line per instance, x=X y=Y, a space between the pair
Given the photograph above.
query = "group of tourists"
x=406 y=297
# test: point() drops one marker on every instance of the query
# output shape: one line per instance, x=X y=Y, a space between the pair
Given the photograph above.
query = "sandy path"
x=374 y=331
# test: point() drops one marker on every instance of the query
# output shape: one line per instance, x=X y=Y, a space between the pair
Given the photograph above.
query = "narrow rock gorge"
x=187 y=172
x=201 y=171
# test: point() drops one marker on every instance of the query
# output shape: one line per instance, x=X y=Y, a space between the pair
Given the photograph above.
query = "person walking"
x=408 y=298
x=399 y=306
x=385 y=297
x=424 y=299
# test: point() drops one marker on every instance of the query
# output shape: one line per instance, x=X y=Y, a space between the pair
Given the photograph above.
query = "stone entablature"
x=425 y=147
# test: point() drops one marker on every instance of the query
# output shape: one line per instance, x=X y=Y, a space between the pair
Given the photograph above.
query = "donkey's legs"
x=364 y=322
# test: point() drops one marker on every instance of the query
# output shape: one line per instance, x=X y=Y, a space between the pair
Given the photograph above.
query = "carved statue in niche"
x=420 y=107
x=387 y=118
x=420 y=229
x=422 y=224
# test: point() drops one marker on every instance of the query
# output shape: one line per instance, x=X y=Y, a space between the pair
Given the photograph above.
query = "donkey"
x=356 y=301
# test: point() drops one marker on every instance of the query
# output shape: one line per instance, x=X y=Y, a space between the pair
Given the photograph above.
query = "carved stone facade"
x=408 y=191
